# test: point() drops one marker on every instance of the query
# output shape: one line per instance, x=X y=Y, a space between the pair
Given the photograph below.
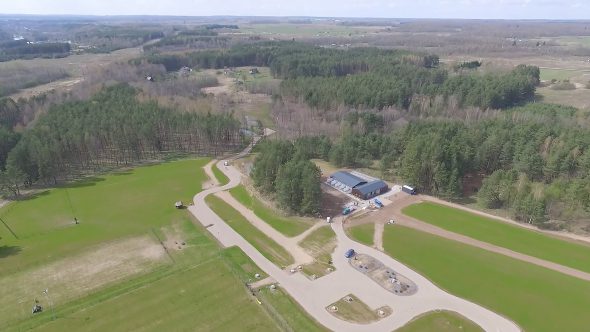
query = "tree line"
x=533 y=161
x=111 y=129
x=365 y=77
x=283 y=169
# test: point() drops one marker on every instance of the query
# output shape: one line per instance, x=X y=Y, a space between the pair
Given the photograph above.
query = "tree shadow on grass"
x=86 y=182
x=31 y=196
x=6 y=251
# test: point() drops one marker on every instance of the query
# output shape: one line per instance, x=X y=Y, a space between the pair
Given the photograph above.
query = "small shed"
x=178 y=205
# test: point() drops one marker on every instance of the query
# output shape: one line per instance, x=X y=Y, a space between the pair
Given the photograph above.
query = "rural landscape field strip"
x=287 y=226
x=267 y=247
x=536 y=298
x=536 y=244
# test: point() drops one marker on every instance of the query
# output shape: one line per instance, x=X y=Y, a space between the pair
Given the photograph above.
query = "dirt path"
x=378 y=235
x=405 y=220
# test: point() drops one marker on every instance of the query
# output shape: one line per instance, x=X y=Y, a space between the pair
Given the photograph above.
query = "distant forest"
x=365 y=77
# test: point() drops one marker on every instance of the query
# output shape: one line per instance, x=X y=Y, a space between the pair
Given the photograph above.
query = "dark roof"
x=371 y=186
x=348 y=179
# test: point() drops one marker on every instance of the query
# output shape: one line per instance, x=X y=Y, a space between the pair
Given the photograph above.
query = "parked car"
x=349 y=253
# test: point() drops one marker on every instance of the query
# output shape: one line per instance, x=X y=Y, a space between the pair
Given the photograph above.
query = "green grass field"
x=287 y=226
x=194 y=291
x=444 y=321
x=502 y=234
x=108 y=207
x=221 y=178
x=537 y=299
x=267 y=247
x=362 y=233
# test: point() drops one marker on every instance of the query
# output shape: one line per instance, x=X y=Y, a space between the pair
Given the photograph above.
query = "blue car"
x=349 y=253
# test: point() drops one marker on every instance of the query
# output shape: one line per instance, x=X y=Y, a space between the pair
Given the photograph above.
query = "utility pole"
x=46 y=292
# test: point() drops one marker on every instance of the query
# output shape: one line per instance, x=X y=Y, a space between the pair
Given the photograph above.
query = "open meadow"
x=512 y=237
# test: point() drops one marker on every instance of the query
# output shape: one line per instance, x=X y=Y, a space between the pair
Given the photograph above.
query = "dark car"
x=349 y=253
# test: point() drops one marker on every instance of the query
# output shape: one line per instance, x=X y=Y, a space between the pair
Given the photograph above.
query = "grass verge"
x=512 y=237
x=286 y=312
x=267 y=247
x=444 y=321
x=537 y=299
x=221 y=178
x=287 y=226
x=354 y=311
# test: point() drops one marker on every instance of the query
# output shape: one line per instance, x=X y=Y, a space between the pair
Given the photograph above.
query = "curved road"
x=315 y=296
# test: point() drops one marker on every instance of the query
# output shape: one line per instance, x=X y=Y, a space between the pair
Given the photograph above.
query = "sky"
x=473 y=9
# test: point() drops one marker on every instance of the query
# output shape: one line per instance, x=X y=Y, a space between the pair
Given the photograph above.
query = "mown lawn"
x=267 y=247
x=444 y=321
x=221 y=178
x=108 y=207
x=515 y=238
x=536 y=298
x=287 y=226
x=362 y=233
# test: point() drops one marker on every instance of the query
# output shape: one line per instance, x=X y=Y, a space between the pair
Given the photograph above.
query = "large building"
x=359 y=187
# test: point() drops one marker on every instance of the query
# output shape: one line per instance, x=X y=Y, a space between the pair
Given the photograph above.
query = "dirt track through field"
x=407 y=221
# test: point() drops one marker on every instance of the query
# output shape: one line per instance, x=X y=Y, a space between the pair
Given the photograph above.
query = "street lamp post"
x=46 y=292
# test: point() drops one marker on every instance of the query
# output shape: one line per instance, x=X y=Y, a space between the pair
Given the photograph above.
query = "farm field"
x=267 y=247
x=287 y=226
x=305 y=30
x=440 y=321
x=579 y=98
x=362 y=233
x=502 y=234
x=537 y=299
x=109 y=207
x=201 y=281
x=548 y=74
